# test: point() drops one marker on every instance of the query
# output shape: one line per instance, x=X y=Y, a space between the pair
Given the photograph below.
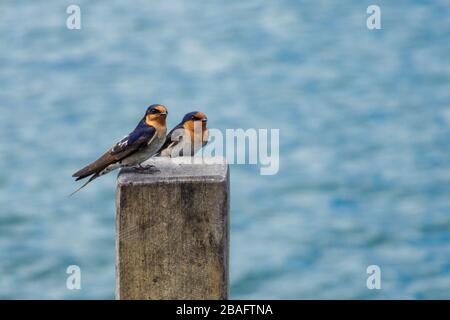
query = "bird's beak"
x=163 y=114
x=204 y=120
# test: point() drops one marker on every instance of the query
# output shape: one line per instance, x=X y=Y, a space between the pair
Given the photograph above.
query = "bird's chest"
x=157 y=142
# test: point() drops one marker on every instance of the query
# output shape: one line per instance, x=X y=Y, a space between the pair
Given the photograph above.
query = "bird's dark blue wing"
x=134 y=141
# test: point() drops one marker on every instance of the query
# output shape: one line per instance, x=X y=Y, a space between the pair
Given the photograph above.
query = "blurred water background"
x=365 y=138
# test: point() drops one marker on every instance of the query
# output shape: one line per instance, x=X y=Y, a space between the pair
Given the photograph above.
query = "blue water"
x=365 y=138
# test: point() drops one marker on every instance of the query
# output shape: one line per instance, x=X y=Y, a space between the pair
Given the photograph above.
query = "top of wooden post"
x=176 y=169
x=172 y=230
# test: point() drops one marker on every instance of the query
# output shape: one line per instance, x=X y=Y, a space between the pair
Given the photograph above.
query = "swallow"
x=142 y=143
x=189 y=136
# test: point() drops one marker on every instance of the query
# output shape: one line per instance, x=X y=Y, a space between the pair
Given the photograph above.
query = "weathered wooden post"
x=172 y=231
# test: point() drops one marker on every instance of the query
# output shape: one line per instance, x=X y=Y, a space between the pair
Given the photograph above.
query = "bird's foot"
x=146 y=169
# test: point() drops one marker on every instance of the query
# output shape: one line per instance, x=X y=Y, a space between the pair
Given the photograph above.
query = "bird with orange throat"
x=189 y=136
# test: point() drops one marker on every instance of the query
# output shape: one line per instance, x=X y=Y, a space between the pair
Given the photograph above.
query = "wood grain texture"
x=172 y=232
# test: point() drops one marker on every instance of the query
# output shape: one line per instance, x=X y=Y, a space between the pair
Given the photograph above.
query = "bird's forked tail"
x=92 y=178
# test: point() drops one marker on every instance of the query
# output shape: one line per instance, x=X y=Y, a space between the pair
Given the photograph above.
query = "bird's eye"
x=154 y=111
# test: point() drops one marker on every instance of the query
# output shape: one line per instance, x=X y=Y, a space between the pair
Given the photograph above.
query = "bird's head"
x=156 y=114
x=193 y=118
